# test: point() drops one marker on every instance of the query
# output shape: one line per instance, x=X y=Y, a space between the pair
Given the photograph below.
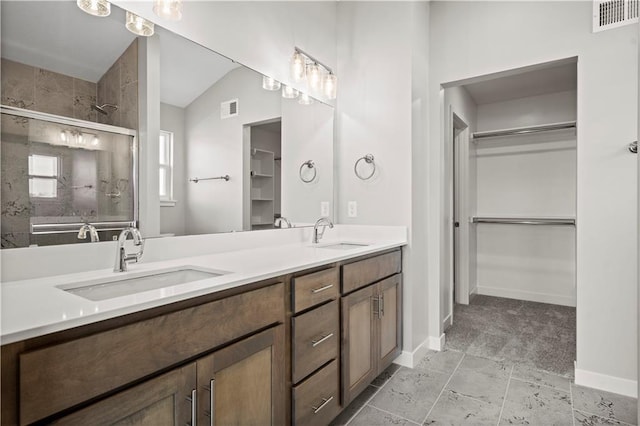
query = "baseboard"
x=527 y=295
x=411 y=359
x=448 y=322
x=606 y=383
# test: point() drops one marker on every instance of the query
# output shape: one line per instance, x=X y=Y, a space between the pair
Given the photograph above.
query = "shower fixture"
x=101 y=108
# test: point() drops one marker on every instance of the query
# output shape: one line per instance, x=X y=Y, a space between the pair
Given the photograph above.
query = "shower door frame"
x=68 y=121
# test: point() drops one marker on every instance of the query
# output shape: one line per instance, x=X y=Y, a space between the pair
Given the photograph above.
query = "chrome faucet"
x=121 y=255
x=93 y=232
x=282 y=220
x=324 y=222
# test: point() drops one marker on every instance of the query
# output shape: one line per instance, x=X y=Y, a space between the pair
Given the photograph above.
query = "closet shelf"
x=526 y=220
x=524 y=130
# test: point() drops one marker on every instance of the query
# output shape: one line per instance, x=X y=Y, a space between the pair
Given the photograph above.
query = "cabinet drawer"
x=85 y=368
x=364 y=272
x=316 y=337
x=312 y=289
x=315 y=401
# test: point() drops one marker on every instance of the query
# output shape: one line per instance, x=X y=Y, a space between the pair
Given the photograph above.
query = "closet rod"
x=524 y=130
x=525 y=220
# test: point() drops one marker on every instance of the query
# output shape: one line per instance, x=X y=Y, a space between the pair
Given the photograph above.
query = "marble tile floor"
x=479 y=384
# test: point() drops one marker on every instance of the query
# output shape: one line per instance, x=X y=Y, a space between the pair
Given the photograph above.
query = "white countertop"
x=35 y=307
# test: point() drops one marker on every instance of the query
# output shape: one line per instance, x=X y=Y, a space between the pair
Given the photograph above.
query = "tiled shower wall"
x=37 y=89
x=119 y=86
x=42 y=90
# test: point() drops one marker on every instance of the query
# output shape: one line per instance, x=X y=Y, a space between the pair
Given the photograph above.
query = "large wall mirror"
x=231 y=154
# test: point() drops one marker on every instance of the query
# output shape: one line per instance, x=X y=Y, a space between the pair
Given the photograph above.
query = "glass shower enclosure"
x=58 y=174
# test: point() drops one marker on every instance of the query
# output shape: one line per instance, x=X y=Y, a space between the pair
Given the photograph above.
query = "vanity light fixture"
x=330 y=85
x=139 y=26
x=305 y=99
x=270 y=83
x=168 y=9
x=289 y=92
x=319 y=77
x=95 y=7
x=298 y=66
x=314 y=76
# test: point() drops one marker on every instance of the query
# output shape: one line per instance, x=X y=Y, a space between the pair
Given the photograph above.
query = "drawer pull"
x=382 y=305
x=315 y=343
x=325 y=401
x=318 y=290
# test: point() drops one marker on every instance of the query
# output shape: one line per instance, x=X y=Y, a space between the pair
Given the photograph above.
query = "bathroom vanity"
x=291 y=348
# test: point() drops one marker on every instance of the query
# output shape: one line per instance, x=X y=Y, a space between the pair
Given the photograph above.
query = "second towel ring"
x=310 y=165
x=369 y=160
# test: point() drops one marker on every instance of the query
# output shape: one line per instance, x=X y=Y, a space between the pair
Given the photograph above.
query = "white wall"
x=382 y=110
x=307 y=134
x=172 y=218
x=496 y=36
x=215 y=148
x=258 y=34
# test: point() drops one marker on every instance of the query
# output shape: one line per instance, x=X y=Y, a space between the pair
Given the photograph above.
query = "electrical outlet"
x=352 y=209
x=324 y=208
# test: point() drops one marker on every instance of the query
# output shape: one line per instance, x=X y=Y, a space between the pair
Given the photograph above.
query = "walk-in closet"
x=513 y=201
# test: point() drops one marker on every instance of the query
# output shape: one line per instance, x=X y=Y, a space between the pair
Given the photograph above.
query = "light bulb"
x=314 y=76
x=168 y=9
x=298 y=65
x=330 y=86
x=139 y=26
x=289 y=92
x=269 y=83
x=305 y=99
x=95 y=7
x=63 y=136
x=95 y=141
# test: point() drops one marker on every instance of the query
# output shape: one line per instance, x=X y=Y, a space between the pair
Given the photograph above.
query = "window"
x=166 y=168
x=43 y=176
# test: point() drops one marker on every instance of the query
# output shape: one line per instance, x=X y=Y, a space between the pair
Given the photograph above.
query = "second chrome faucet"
x=317 y=233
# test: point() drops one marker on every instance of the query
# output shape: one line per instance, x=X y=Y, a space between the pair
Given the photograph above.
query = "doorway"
x=262 y=165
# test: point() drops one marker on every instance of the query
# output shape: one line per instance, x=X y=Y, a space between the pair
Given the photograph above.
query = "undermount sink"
x=343 y=246
x=108 y=288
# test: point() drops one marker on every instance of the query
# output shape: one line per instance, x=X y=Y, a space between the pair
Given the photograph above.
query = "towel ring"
x=310 y=165
x=369 y=160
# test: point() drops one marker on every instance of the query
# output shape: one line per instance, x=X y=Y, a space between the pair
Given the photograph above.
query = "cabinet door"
x=358 y=340
x=165 y=400
x=243 y=384
x=390 y=320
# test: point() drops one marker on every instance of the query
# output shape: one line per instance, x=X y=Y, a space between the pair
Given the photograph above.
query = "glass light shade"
x=330 y=86
x=298 y=65
x=269 y=83
x=139 y=26
x=289 y=92
x=95 y=7
x=314 y=77
x=305 y=99
x=168 y=9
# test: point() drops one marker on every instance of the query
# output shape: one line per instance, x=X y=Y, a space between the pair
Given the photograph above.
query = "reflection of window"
x=43 y=176
x=166 y=166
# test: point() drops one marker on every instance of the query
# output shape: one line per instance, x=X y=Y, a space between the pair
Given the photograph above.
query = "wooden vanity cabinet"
x=162 y=401
x=371 y=322
x=123 y=362
x=243 y=384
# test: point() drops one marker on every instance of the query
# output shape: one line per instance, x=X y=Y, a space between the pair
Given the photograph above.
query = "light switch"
x=324 y=208
x=352 y=209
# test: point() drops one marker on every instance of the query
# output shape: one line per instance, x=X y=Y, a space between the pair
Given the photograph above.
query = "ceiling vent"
x=229 y=109
x=614 y=13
